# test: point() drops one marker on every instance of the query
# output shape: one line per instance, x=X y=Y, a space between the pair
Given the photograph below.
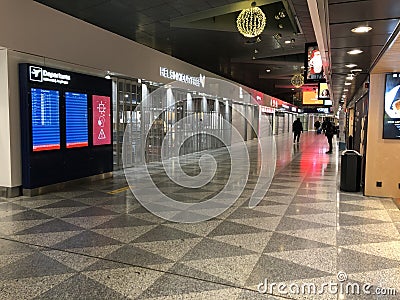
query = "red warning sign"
x=101 y=107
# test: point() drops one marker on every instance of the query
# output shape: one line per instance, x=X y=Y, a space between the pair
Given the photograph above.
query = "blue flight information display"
x=76 y=105
x=45 y=119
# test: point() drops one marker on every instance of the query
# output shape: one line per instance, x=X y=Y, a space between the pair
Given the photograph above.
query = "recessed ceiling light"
x=351 y=65
x=287 y=42
x=347 y=83
x=268 y=70
x=349 y=78
x=356 y=71
x=354 y=51
x=345 y=90
x=361 y=29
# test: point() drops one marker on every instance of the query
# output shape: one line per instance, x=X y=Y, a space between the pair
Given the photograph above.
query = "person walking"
x=329 y=131
x=297 y=129
x=323 y=126
x=317 y=125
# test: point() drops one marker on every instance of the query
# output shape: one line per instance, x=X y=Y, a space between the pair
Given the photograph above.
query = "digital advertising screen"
x=311 y=98
x=76 y=118
x=45 y=119
x=101 y=106
x=323 y=91
x=314 y=71
x=391 y=118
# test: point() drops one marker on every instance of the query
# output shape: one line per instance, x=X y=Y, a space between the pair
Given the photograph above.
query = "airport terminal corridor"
x=96 y=241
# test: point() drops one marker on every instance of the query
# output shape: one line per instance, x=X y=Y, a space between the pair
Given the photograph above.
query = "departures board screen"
x=56 y=117
x=45 y=119
x=76 y=118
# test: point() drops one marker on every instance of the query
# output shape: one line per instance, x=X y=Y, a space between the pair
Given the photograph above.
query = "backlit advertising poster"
x=311 y=98
x=45 y=119
x=76 y=109
x=314 y=71
x=323 y=91
x=391 y=118
x=101 y=120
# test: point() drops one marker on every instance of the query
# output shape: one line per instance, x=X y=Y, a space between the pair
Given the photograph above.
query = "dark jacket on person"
x=329 y=130
x=297 y=126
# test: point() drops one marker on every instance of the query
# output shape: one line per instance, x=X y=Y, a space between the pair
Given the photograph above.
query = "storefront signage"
x=174 y=75
x=40 y=74
x=274 y=102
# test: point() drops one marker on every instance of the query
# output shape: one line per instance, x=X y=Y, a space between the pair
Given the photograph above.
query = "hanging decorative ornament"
x=251 y=21
x=297 y=80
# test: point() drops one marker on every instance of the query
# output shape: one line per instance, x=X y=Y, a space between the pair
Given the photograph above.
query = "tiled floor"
x=85 y=243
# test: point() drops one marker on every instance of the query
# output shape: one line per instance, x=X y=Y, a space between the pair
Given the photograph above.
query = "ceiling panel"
x=381 y=15
x=379 y=26
x=353 y=11
x=213 y=43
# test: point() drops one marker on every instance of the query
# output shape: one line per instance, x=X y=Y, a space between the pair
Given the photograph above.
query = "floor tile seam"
x=133 y=265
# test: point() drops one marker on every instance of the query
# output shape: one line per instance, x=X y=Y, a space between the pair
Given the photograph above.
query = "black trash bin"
x=350 y=172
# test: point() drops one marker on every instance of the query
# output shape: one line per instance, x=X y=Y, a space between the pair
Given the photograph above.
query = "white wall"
x=5 y=148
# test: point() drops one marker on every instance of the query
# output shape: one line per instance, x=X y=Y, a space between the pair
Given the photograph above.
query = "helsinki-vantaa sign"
x=174 y=75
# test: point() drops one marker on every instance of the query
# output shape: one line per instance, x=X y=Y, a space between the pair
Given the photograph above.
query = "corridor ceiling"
x=203 y=33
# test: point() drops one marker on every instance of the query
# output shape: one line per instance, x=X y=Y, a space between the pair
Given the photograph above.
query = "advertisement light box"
x=311 y=98
x=391 y=118
x=323 y=91
x=314 y=71
x=76 y=106
x=45 y=119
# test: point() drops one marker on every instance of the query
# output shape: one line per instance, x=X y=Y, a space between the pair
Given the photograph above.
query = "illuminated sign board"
x=391 y=117
x=101 y=120
x=314 y=71
x=285 y=106
x=324 y=110
x=45 y=119
x=40 y=74
x=76 y=109
x=174 y=75
x=323 y=91
x=311 y=98
x=266 y=109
